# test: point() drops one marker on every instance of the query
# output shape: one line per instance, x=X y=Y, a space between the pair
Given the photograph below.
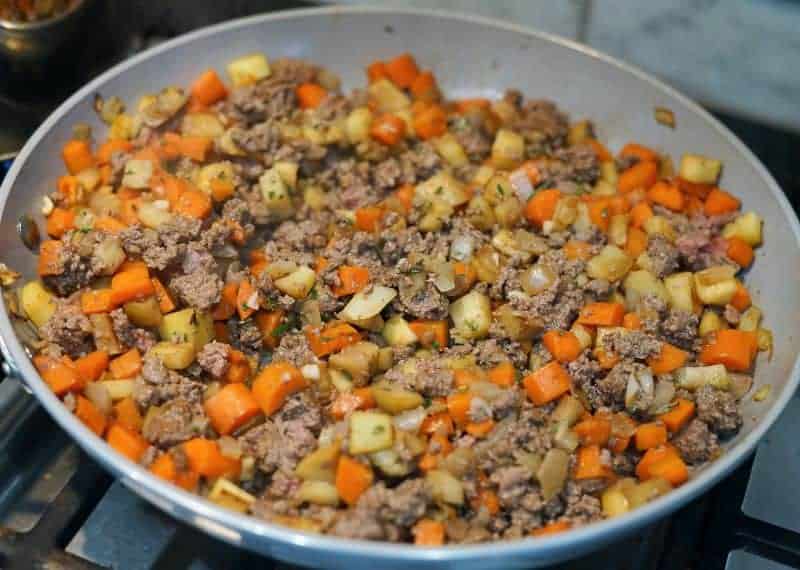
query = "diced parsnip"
x=445 y=487
x=611 y=264
x=298 y=523
x=604 y=188
x=367 y=303
x=103 y=333
x=640 y=283
x=505 y=110
x=390 y=463
x=174 y=355
x=699 y=169
x=608 y=172
x=89 y=178
x=614 y=502
x=552 y=473
x=646 y=491
x=137 y=173
x=104 y=202
x=566 y=213
x=145 y=313
x=710 y=322
x=84 y=219
x=155 y=110
x=480 y=213
x=483 y=175
x=287 y=171
x=680 y=287
x=437 y=212
x=219 y=171
x=231 y=496
x=318 y=493
x=357 y=125
x=443 y=187
x=202 y=125
x=764 y=340
x=472 y=315
x=693 y=377
x=568 y=411
x=583 y=222
x=397 y=332
x=37 y=302
x=661 y=226
x=124 y=127
x=225 y=145
x=370 y=432
x=387 y=97
x=579 y=132
x=584 y=334
x=119 y=389
x=248 y=69
x=750 y=319
x=299 y=283
x=508 y=149
x=746 y=227
x=498 y=188
x=359 y=361
x=315 y=197
x=188 y=325
x=395 y=400
x=505 y=242
x=517 y=326
x=618 y=229
x=716 y=285
x=450 y=150
x=320 y=464
x=153 y=215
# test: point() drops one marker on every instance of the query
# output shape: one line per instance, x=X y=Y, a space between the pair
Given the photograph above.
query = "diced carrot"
x=424 y=87
x=352 y=279
x=640 y=213
x=600 y=213
x=226 y=307
x=268 y=323
x=731 y=347
x=593 y=431
x=276 y=382
x=126 y=365
x=193 y=204
x=130 y=286
x=231 y=408
x=465 y=275
x=92 y=417
x=164 y=467
x=406 y=196
x=667 y=195
x=663 y=462
x=195 y=148
x=695 y=189
x=376 y=70
x=589 y=464
x=428 y=532
x=464 y=106
x=604 y=314
x=352 y=479
x=388 y=129
x=239 y=369
x=205 y=458
x=740 y=251
x=480 y=429
x=61 y=375
x=108 y=148
x=694 y=206
x=77 y=156
x=440 y=423
x=563 y=345
x=368 y=218
x=541 y=207
x=488 y=499
x=431 y=333
x=547 y=383
x=600 y=150
x=127 y=414
x=70 y=190
x=576 y=249
x=637 y=242
x=165 y=302
x=720 y=202
x=310 y=95
x=618 y=204
x=246 y=299
x=458 y=405
x=431 y=122
x=60 y=221
x=348 y=402
x=641 y=175
x=402 y=70
x=504 y=374
x=669 y=359
x=623 y=428
x=126 y=442
x=209 y=88
x=741 y=299
x=639 y=151
x=650 y=435
x=552 y=528
x=97 y=301
x=221 y=189
x=49 y=253
x=331 y=338
x=92 y=366
x=607 y=360
x=632 y=322
x=438 y=447
x=678 y=416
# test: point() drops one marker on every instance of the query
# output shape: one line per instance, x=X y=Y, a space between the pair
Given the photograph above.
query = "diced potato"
x=340 y=380
x=104 y=202
x=443 y=187
x=320 y=464
x=746 y=227
x=89 y=178
x=699 y=169
x=387 y=96
x=155 y=110
x=124 y=127
x=505 y=110
x=445 y=487
x=579 y=132
x=640 y=283
x=390 y=463
x=568 y=411
x=505 y=242
x=359 y=361
x=436 y=214
x=646 y=491
x=287 y=171
x=716 y=285
x=611 y=264
x=318 y=493
x=508 y=149
x=710 y=322
x=225 y=145
x=680 y=287
x=248 y=69
x=483 y=175
x=154 y=214
x=566 y=213
x=202 y=125
x=608 y=172
x=299 y=283
x=408 y=118
x=370 y=432
x=145 y=313
x=188 y=325
x=395 y=400
x=750 y=320
x=583 y=221
x=103 y=333
x=693 y=377
x=614 y=502
x=37 y=302
x=275 y=193
x=518 y=326
x=367 y=303
x=221 y=171
x=315 y=197
x=618 y=229
x=584 y=334
x=450 y=150
x=231 y=496
x=480 y=213
x=119 y=389
x=472 y=315
x=661 y=226
x=137 y=173
x=174 y=355
x=357 y=125
x=397 y=332
x=552 y=473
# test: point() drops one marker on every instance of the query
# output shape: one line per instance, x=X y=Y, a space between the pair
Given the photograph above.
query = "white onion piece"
x=521 y=183
x=664 y=393
x=410 y=420
x=462 y=248
x=639 y=391
x=537 y=278
x=99 y=396
x=445 y=277
x=367 y=303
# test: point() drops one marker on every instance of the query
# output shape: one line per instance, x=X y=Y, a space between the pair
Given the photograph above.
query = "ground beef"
x=585 y=372
x=162 y=248
x=423 y=301
x=76 y=266
x=245 y=335
x=609 y=391
x=129 y=335
x=664 y=257
x=541 y=123
x=631 y=344
x=471 y=132
x=199 y=289
x=294 y=348
x=580 y=507
x=696 y=442
x=158 y=384
x=718 y=409
x=624 y=464
x=680 y=328
x=175 y=422
x=570 y=167
x=528 y=433
x=261 y=138
x=433 y=377
x=699 y=243
x=491 y=352
x=214 y=358
x=419 y=162
x=68 y=328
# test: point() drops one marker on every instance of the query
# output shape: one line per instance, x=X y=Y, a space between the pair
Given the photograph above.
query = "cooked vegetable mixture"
x=388 y=315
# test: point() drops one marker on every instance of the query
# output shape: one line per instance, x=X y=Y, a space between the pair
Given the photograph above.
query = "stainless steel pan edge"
x=783 y=230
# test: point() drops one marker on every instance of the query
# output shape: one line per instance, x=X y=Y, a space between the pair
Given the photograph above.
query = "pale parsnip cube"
x=508 y=149
x=275 y=193
x=369 y=432
x=37 y=302
x=472 y=315
x=248 y=69
x=618 y=229
x=359 y=361
x=318 y=493
x=231 y=496
x=750 y=320
x=137 y=174
x=442 y=187
x=387 y=96
x=640 y=283
x=710 y=322
x=299 y=283
x=320 y=464
x=367 y=303
x=222 y=171
x=699 y=169
x=175 y=355
x=611 y=264
x=681 y=291
x=659 y=225
x=144 y=313
x=397 y=332
x=395 y=400
x=119 y=389
x=152 y=215
x=445 y=487
x=188 y=325
x=450 y=150
x=716 y=285
x=202 y=125
x=357 y=125
x=693 y=377
x=746 y=227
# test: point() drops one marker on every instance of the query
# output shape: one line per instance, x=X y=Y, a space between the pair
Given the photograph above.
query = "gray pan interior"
x=471 y=57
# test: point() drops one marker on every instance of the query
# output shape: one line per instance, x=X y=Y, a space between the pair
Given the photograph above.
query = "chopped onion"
x=664 y=393
x=410 y=420
x=445 y=278
x=538 y=278
x=367 y=303
x=99 y=396
x=462 y=247
x=639 y=391
x=459 y=461
x=521 y=183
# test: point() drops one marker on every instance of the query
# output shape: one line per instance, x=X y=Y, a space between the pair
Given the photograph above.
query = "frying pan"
x=471 y=57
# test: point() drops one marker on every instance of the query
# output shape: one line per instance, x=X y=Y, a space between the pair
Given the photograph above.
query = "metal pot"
x=30 y=43
x=471 y=57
